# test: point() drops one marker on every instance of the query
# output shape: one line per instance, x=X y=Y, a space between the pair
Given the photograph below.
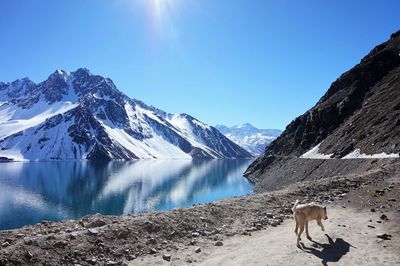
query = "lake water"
x=36 y=191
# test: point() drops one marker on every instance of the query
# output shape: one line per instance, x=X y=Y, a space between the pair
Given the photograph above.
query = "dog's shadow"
x=331 y=252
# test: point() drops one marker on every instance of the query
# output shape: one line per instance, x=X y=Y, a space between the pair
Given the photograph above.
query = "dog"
x=307 y=212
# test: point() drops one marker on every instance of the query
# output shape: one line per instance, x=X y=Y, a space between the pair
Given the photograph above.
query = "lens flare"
x=161 y=17
x=162 y=11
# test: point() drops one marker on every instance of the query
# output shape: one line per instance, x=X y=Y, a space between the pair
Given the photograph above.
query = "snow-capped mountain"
x=252 y=139
x=78 y=116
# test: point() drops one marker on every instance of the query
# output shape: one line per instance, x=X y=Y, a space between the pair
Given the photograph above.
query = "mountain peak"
x=59 y=73
x=83 y=71
x=245 y=126
x=79 y=115
x=249 y=137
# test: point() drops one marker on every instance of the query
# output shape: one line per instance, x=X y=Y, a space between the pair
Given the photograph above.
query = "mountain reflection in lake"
x=36 y=191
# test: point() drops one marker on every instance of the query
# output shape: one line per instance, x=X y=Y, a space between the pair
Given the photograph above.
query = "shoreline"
x=117 y=240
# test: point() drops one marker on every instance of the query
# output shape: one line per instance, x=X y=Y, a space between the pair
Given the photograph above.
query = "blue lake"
x=36 y=191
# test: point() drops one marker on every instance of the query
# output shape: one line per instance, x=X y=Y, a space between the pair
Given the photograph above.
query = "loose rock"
x=5 y=244
x=152 y=251
x=93 y=232
x=384 y=236
x=219 y=243
x=28 y=255
x=111 y=263
x=96 y=223
x=166 y=257
x=384 y=217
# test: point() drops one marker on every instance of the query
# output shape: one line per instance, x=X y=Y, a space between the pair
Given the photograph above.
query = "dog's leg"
x=321 y=225
x=297 y=225
x=307 y=234
x=299 y=234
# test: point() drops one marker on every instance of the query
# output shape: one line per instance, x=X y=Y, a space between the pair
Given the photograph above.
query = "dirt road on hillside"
x=350 y=239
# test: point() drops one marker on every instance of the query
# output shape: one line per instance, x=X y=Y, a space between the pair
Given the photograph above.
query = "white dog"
x=307 y=212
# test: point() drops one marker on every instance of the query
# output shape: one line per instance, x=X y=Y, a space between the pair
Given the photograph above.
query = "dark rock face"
x=97 y=122
x=359 y=111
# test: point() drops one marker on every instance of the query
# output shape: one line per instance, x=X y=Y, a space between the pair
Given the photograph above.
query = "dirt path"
x=348 y=241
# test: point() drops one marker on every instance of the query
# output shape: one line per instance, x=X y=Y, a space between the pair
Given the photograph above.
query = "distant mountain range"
x=79 y=115
x=253 y=139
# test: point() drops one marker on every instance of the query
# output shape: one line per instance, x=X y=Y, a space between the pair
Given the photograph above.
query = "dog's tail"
x=295 y=205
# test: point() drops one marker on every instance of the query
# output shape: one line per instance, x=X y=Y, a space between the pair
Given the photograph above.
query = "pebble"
x=5 y=244
x=197 y=250
x=131 y=257
x=93 y=261
x=195 y=234
x=219 y=243
x=151 y=241
x=373 y=210
x=152 y=251
x=51 y=237
x=166 y=257
x=384 y=236
x=96 y=223
x=111 y=263
x=93 y=232
x=384 y=217
x=371 y=226
x=29 y=255
x=259 y=226
x=273 y=222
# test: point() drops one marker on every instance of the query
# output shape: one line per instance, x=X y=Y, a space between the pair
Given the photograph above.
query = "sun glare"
x=161 y=17
x=161 y=9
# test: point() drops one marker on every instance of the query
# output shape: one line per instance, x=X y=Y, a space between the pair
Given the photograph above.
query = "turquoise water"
x=36 y=191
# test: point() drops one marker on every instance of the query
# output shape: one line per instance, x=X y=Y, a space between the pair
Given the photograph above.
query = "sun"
x=161 y=17
x=161 y=8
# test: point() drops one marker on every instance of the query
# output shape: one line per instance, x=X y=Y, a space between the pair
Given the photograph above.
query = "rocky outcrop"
x=360 y=111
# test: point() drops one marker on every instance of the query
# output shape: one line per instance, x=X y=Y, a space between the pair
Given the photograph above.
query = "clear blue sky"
x=222 y=61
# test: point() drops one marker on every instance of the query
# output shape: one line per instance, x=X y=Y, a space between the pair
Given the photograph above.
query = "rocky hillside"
x=253 y=139
x=79 y=115
x=358 y=117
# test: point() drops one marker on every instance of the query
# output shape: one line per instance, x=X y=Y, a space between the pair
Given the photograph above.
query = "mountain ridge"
x=79 y=115
x=356 y=118
x=253 y=139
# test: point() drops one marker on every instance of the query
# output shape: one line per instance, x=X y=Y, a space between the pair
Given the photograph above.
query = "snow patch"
x=14 y=119
x=314 y=154
x=149 y=148
x=356 y=154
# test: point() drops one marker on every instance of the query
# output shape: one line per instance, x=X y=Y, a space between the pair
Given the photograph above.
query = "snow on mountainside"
x=252 y=139
x=78 y=115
